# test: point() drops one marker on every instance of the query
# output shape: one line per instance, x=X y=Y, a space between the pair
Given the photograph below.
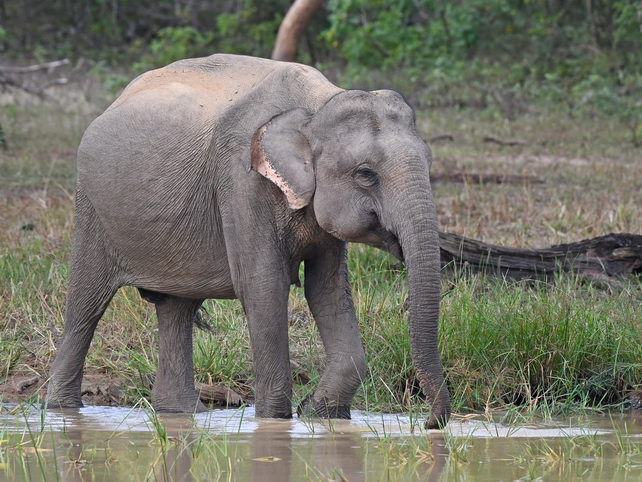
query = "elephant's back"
x=221 y=81
x=157 y=142
x=211 y=82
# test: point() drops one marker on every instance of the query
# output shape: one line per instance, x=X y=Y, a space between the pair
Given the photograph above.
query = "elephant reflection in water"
x=270 y=453
x=278 y=456
x=338 y=455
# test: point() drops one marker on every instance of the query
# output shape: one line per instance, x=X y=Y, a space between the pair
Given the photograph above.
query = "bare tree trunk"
x=296 y=20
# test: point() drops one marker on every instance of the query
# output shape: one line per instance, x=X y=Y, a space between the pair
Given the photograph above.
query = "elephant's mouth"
x=394 y=248
x=388 y=242
x=377 y=238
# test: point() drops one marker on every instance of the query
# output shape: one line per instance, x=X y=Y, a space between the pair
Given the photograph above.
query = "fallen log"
x=219 y=394
x=471 y=178
x=13 y=76
x=602 y=258
x=441 y=137
x=502 y=142
x=20 y=385
x=34 y=68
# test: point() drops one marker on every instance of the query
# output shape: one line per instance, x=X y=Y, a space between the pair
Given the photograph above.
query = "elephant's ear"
x=282 y=153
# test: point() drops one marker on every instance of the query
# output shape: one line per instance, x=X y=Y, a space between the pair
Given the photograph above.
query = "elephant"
x=216 y=177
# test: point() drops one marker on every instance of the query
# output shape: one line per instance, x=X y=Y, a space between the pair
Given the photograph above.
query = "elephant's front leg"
x=330 y=299
x=264 y=295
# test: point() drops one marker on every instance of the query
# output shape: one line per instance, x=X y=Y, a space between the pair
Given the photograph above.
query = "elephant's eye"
x=365 y=177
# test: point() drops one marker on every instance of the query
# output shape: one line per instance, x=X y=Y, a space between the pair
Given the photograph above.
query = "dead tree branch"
x=603 y=258
x=12 y=77
x=441 y=137
x=472 y=178
x=6 y=81
x=501 y=142
x=34 y=68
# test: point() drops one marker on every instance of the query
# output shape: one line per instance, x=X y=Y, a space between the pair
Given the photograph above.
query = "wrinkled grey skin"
x=216 y=178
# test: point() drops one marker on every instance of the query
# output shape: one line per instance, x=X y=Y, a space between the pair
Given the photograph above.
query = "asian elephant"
x=216 y=178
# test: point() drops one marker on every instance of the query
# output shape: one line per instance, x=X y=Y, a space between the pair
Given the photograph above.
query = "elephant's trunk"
x=418 y=236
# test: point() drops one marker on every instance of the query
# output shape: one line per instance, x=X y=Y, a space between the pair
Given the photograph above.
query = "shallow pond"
x=107 y=443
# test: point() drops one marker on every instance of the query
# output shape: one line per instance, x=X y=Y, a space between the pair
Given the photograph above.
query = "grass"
x=589 y=170
x=541 y=349
x=561 y=347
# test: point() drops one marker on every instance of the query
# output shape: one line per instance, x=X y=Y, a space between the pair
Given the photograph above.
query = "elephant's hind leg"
x=174 y=386
x=92 y=285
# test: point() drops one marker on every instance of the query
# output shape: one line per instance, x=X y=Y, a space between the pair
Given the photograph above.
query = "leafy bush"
x=174 y=43
x=503 y=54
x=394 y=33
x=476 y=52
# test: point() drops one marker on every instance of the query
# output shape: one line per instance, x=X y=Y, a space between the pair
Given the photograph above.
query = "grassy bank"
x=546 y=348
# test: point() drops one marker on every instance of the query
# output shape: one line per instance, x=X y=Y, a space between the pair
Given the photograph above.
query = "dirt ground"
x=98 y=388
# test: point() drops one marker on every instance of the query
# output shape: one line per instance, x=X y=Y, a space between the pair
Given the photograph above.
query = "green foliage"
x=119 y=31
x=237 y=34
x=223 y=355
x=404 y=33
x=174 y=43
x=383 y=34
x=390 y=34
x=504 y=53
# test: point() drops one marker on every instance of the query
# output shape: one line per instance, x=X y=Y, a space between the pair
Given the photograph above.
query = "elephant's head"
x=363 y=168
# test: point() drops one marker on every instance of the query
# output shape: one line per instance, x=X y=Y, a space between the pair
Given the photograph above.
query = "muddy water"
x=106 y=443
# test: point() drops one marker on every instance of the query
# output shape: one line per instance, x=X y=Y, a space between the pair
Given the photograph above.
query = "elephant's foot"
x=62 y=396
x=183 y=403
x=274 y=401
x=58 y=403
x=435 y=423
x=311 y=408
x=265 y=409
x=435 y=420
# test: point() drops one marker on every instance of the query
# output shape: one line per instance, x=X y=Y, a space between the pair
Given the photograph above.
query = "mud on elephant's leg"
x=330 y=299
x=174 y=386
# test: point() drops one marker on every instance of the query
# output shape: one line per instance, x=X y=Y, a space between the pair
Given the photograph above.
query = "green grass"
x=555 y=347
x=538 y=348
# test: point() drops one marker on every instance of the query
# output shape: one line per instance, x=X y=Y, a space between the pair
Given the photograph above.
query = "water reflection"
x=332 y=455
x=124 y=444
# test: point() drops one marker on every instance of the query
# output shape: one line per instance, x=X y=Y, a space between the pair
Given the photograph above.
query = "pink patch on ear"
x=262 y=165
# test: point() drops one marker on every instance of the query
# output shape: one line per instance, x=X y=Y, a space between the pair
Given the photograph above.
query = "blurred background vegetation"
x=578 y=54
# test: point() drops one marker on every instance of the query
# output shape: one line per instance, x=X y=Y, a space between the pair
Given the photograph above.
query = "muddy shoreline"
x=103 y=389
